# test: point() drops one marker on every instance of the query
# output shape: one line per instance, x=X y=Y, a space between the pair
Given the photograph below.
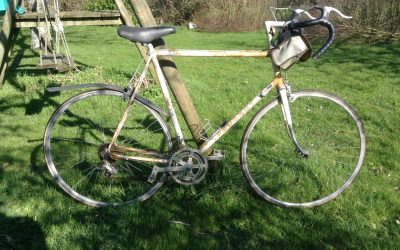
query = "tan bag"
x=292 y=48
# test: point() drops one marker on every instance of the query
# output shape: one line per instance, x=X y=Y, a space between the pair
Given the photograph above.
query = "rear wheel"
x=330 y=132
x=76 y=148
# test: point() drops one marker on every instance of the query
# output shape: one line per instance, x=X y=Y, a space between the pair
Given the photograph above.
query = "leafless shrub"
x=70 y=5
x=233 y=15
x=371 y=18
x=74 y=5
x=377 y=20
x=175 y=11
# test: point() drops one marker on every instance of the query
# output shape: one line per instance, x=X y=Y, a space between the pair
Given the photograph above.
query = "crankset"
x=186 y=166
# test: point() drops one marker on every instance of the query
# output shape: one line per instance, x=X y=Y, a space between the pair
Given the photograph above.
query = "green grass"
x=221 y=212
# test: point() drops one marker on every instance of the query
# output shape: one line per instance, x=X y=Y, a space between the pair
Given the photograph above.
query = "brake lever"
x=298 y=12
x=326 y=11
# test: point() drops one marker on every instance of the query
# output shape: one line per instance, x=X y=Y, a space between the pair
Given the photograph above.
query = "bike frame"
x=153 y=55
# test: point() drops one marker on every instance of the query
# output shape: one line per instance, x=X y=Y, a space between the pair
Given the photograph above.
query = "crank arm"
x=156 y=170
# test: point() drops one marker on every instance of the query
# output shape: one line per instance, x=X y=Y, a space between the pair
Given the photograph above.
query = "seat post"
x=151 y=49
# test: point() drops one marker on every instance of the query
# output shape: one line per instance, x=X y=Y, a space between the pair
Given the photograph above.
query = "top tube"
x=211 y=53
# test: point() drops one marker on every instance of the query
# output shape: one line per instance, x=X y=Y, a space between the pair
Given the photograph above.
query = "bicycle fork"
x=284 y=96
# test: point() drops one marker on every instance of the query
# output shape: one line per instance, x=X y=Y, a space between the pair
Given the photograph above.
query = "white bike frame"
x=153 y=55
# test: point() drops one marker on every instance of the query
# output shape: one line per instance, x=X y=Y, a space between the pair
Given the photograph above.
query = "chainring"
x=196 y=166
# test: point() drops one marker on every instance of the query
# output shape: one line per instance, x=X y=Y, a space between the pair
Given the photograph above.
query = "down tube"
x=222 y=130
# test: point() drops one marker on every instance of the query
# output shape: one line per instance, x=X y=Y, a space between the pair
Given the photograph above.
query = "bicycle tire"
x=82 y=127
x=327 y=127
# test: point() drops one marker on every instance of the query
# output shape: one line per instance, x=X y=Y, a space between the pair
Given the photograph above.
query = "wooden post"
x=70 y=18
x=178 y=88
x=126 y=16
x=5 y=35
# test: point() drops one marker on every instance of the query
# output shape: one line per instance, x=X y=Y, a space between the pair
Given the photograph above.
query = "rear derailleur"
x=107 y=163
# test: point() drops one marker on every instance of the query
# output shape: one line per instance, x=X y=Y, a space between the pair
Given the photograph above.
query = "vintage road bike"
x=110 y=146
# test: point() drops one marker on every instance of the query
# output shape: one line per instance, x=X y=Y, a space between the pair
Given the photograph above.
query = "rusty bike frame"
x=119 y=152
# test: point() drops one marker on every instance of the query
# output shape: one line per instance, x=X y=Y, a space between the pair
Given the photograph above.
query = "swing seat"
x=50 y=57
x=62 y=64
x=47 y=61
x=65 y=65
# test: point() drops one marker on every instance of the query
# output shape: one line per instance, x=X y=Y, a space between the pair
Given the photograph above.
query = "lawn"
x=221 y=212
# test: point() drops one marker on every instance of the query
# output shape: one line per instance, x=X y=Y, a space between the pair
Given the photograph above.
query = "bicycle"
x=101 y=159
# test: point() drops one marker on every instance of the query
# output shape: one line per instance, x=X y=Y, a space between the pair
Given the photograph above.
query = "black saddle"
x=145 y=35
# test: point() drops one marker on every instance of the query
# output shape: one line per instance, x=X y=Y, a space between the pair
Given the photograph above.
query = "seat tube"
x=167 y=96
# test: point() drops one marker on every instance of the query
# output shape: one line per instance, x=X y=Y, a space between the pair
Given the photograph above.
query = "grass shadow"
x=16 y=69
x=374 y=58
x=190 y=223
x=21 y=233
x=1 y=176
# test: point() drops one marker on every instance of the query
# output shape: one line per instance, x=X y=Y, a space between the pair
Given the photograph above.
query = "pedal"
x=153 y=175
x=217 y=155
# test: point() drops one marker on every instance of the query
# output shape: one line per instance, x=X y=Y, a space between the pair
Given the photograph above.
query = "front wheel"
x=76 y=144
x=326 y=127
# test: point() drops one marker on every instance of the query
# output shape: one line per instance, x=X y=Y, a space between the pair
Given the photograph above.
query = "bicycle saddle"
x=144 y=35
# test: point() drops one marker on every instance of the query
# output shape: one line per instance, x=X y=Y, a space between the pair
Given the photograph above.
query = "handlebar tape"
x=309 y=23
